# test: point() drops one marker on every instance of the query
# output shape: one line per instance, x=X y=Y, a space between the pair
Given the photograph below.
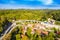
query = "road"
x=14 y=25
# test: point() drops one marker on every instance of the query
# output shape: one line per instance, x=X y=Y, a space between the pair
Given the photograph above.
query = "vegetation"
x=18 y=34
x=6 y=17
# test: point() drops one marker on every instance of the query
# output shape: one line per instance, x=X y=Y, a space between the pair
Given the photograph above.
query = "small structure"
x=51 y=21
x=13 y=21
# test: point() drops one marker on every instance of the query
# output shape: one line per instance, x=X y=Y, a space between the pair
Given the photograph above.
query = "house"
x=51 y=21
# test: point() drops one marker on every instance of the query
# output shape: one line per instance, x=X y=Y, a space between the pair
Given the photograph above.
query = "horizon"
x=29 y=4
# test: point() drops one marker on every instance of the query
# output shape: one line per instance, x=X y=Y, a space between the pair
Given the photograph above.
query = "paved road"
x=7 y=30
x=22 y=21
x=51 y=25
x=14 y=25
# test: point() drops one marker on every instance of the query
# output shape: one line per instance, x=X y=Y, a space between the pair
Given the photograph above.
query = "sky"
x=29 y=4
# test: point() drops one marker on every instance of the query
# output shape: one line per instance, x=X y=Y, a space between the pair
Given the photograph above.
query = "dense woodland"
x=6 y=16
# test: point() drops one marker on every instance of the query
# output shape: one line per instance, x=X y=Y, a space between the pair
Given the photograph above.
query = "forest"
x=6 y=17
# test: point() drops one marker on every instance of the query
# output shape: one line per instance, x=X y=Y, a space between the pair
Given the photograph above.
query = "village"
x=42 y=28
x=32 y=27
